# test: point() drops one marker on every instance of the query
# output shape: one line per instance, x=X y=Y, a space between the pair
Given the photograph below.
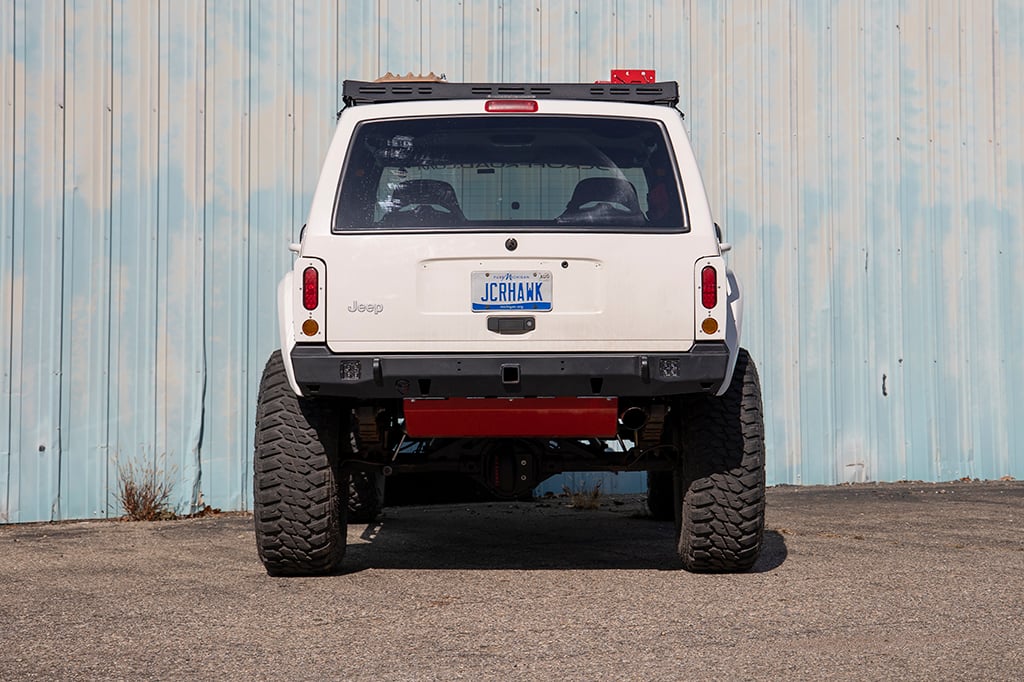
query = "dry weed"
x=143 y=492
x=584 y=498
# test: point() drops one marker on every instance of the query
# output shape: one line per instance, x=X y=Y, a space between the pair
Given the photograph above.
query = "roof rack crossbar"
x=365 y=92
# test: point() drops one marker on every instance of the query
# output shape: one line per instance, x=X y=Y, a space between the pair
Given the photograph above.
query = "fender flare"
x=287 y=328
x=733 y=325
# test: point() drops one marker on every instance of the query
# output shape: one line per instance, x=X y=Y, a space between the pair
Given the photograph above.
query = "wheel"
x=661 y=495
x=365 y=496
x=299 y=513
x=721 y=477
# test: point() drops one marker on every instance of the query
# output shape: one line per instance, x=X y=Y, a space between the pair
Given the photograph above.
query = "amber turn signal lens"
x=709 y=325
x=310 y=327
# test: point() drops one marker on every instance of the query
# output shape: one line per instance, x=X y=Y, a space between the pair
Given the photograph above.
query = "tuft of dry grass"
x=143 y=492
x=584 y=498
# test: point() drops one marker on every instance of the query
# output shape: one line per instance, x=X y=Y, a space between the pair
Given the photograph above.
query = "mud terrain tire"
x=299 y=513
x=721 y=481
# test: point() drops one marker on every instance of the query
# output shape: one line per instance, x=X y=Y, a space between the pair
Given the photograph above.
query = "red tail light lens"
x=310 y=288
x=498 y=106
x=709 y=287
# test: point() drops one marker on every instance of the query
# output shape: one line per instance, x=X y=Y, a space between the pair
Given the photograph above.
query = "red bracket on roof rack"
x=631 y=76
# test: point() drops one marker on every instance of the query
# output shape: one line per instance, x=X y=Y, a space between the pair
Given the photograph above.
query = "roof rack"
x=365 y=92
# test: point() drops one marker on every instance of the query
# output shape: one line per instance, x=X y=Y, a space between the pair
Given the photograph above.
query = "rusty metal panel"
x=156 y=158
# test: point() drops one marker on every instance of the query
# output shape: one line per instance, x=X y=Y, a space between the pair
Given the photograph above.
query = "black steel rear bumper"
x=318 y=371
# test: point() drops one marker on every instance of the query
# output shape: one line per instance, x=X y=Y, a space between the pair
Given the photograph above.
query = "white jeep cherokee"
x=508 y=281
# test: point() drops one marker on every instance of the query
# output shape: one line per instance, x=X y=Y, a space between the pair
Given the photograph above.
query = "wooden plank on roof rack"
x=411 y=78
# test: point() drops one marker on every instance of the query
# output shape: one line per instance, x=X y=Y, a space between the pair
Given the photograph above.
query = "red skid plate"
x=511 y=417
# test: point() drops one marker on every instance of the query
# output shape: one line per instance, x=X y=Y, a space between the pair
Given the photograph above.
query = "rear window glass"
x=497 y=171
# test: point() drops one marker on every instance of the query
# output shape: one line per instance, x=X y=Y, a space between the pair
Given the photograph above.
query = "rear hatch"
x=524 y=232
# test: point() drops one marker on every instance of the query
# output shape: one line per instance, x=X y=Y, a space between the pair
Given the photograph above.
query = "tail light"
x=310 y=288
x=502 y=106
x=709 y=287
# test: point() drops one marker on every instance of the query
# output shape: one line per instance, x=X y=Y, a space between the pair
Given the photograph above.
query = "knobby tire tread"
x=299 y=512
x=722 y=478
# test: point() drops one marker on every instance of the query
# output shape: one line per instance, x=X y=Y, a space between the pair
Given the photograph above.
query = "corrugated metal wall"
x=865 y=158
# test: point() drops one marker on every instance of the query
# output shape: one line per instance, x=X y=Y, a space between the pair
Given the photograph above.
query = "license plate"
x=510 y=290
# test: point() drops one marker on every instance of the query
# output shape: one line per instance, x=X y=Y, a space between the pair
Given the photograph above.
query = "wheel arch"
x=733 y=326
x=286 y=328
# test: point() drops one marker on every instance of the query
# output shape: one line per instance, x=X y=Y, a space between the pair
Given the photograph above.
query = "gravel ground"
x=911 y=581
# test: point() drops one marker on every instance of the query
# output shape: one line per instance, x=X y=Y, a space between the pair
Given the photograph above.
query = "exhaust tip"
x=634 y=418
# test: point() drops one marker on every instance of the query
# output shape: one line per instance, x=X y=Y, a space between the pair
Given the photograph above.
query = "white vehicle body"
x=503 y=282
x=406 y=291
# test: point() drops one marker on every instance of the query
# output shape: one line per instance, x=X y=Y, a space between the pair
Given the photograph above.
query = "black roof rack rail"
x=365 y=92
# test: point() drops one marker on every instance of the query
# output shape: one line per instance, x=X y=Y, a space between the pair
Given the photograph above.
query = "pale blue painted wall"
x=156 y=158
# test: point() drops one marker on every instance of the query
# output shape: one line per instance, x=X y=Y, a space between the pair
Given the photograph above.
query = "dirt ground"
x=910 y=581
